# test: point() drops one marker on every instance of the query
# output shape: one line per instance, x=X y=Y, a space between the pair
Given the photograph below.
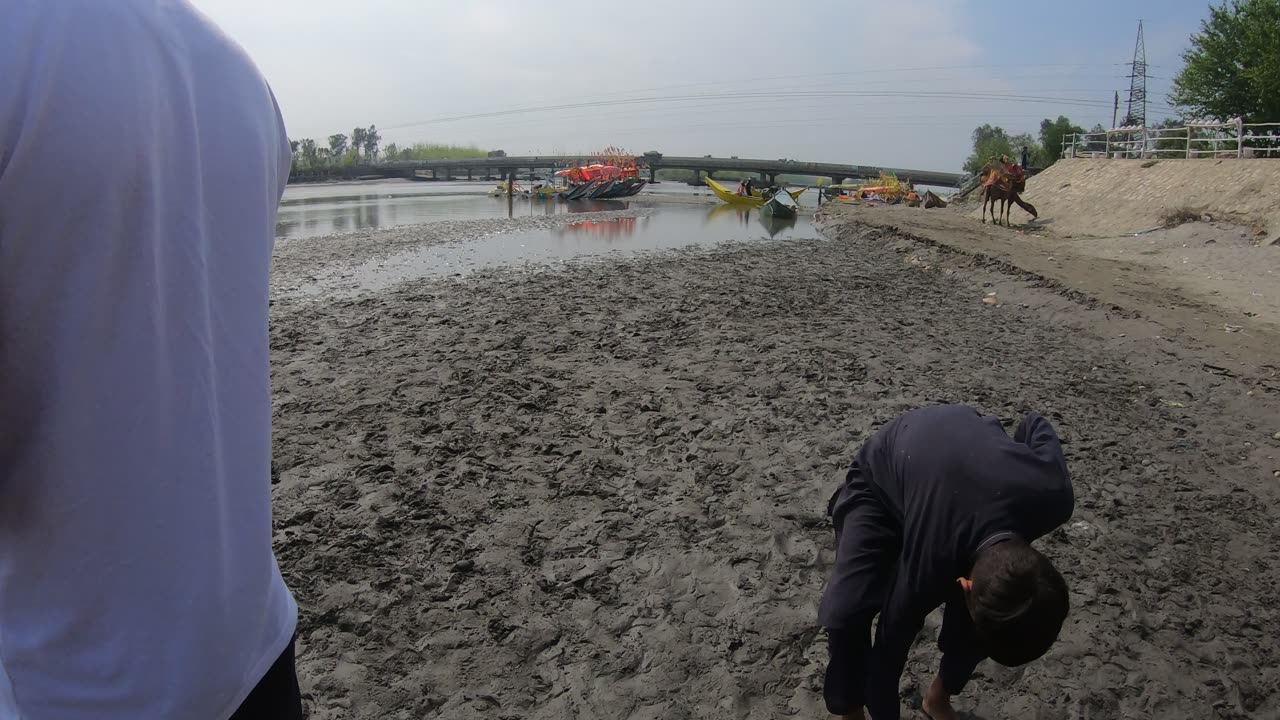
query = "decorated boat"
x=755 y=199
x=612 y=174
x=780 y=205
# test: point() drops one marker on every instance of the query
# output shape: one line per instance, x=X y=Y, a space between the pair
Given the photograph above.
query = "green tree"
x=1232 y=68
x=358 y=137
x=1021 y=140
x=1097 y=143
x=1052 y=133
x=988 y=142
x=391 y=152
x=337 y=146
x=370 y=144
x=1172 y=141
x=308 y=151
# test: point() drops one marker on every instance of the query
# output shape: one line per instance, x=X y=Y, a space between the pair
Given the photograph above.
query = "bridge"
x=769 y=170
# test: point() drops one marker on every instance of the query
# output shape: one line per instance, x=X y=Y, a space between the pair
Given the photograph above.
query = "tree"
x=1052 y=133
x=988 y=142
x=308 y=151
x=371 y=140
x=1097 y=143
x=391 y=152
x=1173 y=141
x=358 y=137
x=1231 y=69
x=337 y=145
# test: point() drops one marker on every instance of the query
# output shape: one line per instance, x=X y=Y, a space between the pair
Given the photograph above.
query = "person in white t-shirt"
x=142 y=160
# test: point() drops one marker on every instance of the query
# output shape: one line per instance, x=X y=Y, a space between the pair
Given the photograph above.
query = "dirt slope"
x=1109 y=198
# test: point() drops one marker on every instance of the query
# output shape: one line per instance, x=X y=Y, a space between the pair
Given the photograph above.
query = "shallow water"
x=324 y=209
x=667 y=228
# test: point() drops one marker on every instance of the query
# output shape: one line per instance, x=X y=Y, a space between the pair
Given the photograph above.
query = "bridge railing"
x=1233 y=139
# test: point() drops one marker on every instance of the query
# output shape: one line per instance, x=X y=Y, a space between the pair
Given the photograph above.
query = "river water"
x=324 y=209
x=317 y=210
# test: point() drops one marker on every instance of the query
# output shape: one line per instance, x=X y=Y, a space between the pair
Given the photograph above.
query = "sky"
x=900 y=83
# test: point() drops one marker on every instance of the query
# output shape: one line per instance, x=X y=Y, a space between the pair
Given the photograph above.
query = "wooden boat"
x=616 y=190
x=622 y=188
x=781 y=205
x=733 y=198
x=635 y=190
x=602 y=190
x=580 y=191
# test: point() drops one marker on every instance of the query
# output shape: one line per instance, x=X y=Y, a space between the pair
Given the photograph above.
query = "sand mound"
x=1108 y=198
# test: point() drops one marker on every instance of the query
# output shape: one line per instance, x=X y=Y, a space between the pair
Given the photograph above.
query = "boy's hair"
x=1018 y=602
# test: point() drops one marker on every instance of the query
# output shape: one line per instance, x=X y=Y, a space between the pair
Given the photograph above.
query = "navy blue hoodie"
x=954 y=482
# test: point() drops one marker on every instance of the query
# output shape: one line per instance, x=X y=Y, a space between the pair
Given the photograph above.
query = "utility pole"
x=1115 y=109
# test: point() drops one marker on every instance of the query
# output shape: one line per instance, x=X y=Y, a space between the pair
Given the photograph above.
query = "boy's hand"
x=937 y=703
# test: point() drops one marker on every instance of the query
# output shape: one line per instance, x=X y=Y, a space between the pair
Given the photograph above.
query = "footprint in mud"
x=795 y=550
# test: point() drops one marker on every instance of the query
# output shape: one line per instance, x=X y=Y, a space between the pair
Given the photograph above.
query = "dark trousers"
x=276 y=696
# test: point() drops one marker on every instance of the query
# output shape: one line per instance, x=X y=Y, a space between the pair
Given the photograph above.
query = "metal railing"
x=1233 y=139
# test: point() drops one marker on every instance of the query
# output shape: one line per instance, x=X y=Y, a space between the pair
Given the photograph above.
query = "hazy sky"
x=769 y=79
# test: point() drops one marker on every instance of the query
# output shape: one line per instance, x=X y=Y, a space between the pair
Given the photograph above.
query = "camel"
x=999 y=183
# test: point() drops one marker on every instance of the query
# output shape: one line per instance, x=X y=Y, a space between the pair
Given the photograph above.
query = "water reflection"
x=612 y=229
x=667 y=229
x=774 y=225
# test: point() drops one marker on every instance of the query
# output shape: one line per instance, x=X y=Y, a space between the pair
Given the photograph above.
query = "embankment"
x=1109 y=198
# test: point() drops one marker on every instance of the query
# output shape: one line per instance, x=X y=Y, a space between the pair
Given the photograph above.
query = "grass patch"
x=1179 y=216
x=1149 y=163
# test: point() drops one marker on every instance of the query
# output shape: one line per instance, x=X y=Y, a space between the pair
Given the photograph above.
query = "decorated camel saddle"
x=1002 y=176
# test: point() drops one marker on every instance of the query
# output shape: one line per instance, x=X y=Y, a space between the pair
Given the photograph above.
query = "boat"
x=581 y=191
x=622 y=188
x=734 y=198
x=781 y=205
x=612 y=174
x=602 y=190
x=502 y=188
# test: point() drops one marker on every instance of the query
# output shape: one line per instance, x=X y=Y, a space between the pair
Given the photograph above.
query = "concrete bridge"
x=499 y=167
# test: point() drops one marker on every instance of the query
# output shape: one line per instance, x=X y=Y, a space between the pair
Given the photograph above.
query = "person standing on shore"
x=940 y=507
x=142 y=160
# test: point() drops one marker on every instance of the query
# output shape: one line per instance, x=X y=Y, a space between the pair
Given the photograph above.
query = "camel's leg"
x=986 y=197
x=1006 y=206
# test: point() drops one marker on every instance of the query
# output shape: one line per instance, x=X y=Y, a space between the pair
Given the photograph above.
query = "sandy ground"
x=598 y=492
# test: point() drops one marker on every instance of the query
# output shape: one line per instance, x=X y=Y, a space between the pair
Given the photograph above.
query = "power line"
x=1006 y=97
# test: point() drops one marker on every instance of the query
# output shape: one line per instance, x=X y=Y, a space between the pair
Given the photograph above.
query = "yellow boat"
x=734 y=198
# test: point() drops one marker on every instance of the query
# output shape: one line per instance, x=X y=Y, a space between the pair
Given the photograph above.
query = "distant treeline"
x=362 y=147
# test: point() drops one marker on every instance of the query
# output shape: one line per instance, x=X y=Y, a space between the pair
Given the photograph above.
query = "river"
x=327 y=208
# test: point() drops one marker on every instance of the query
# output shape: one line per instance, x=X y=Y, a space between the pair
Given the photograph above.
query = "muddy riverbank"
x=597 y=491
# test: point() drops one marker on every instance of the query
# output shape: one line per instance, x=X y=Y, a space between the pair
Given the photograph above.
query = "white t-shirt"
x=142 y=159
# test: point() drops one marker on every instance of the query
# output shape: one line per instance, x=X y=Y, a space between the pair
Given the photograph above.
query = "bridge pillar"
x=773 y=179
x=763 y=176
x=653 y=174
x=468 y=173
